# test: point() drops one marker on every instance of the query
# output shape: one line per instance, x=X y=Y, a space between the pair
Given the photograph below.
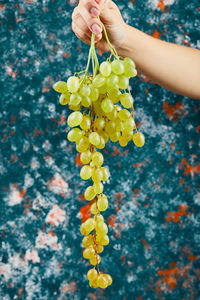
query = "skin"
x=175 y=67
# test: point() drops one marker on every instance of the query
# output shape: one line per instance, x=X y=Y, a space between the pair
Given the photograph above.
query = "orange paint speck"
x=193 y=257
x=181 y=181
x=2 y=6
x=111 y=220
x=66 y=55
x=77 y=160
x=198 y=128
x=85 y=212
x=161 y=5
x=146 y=246
x=156 y=34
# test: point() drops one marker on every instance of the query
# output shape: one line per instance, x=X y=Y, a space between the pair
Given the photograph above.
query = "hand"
x=85 y=22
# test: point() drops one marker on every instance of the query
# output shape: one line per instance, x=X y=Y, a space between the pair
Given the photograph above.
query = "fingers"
x=81 y=34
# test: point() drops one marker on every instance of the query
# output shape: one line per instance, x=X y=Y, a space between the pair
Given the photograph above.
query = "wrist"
x=124 y=46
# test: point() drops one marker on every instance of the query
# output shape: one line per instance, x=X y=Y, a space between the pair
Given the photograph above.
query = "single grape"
x=75 y=119
x=93 y=284
x=123 y=82
x=106 y=173
x=129 y=67
x=103 y=89
x=60 y=87
x=88 y=252
x=85 y=90
x=83 y=144
x=107 y=105
x=98 y=81
x=101 y=145
x=94 y=94
x=139 y=139
x=104 y=240
x=114 y=137
x=85 y=157
x=110 y=127
x=129 y=124
x=75 y=135
x=90 y=225
x=108 y=278
x=119 y=126
x=94 y=209
x=129 y=61
x=73 y=84
x=126 y=100
x=99 y=124
x=105 y=68
x=99 y=218
x=98 y=187
x=124 y=114
x=117 y=67
x=64 y=98
x=102 y=202
x=92 y=274
x=105 y=136
x=85 y=123
x=97 y=175
x=100 y=248
x=113 y=114
x=86 y=101
x=112 y=82
x=122 y=141
x=127 y=134
x=75 y=99
x=97 y=159
x=95 y=259
x=75 y=107
x=88 y=241
x=94 y=138
x=86 y=172
x=114 y=95
x=97 y=109
x=83 y=229
x=89 y=193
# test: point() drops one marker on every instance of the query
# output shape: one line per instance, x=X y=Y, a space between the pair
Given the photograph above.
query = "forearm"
x=174 y=67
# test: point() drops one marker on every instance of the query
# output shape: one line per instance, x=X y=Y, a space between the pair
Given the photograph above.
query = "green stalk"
x=94 y=55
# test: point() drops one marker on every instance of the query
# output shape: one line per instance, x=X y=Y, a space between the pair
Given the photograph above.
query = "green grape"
x=75 y=107
x=104 y=240
x=75 y=135
x=64 y=98
x=98 y=81
x=101 y=228
x=75 y=119
x=105 y=136
x=83 y=144
x=129 y=62
x=99 y=218
x=94 y=138
x=92 y=274
x=60 y=87
x=97 y=159
x=108 y=278
x=102 y=202
x=102 y=281
x=119 y=126
x=103 y=89
x=123 y=82
x=126 y=100
x=88 y=252
x=100 y=248
x=95 y=259
x=89 y=193
x=94 y=94
x=114 y=95
x=106 y=173
x=114 y=137
x=139 y=139
x=85 y=90
x=85 y=123
x=83 y=229
x=112 y=82
x=122 y=141
x=86 y=172
x=127 y=134
x=99 y=124
x=101 y=145
x=129 y=67
x=107 y=105
x=93 y=284
x=88 y=241
x=92 y=164
x=105 y=68
x=117 y=67
x=90 y=225
x=86 y=101
x=129 y=124
x=75 y=99
x=73 y=84
x=94 y=209
x=85 y=157
x=97 y=175
x=98 y=187
x=124 y=114
x=113 y=114
x=97 y=109
x=110 y=127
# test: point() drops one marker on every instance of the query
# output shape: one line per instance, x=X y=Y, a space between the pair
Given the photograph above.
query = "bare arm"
x=172 y=66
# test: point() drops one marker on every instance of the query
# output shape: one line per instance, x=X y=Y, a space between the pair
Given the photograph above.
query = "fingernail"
x=98 y=1
x=94 y=11
x=96 y=29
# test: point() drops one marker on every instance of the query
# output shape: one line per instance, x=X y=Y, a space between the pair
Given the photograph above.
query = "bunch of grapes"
x=102 y=108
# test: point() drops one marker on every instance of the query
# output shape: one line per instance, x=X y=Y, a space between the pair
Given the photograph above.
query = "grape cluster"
x=102 y=107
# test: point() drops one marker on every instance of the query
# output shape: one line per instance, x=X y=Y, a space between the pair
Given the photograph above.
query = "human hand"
x=85 y=22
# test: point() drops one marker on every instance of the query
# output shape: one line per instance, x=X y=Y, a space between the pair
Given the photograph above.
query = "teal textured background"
x=154 y=192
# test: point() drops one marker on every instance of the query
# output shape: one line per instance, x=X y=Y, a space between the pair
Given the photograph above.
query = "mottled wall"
x=153 y=191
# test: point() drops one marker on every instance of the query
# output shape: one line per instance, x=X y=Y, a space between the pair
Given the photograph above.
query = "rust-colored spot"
x=161 y=5
x=77 y=160
x=156 y=34
x=111 y=220
x=181 y=181
x=66 y=55
x=85 y=212
x=146 y=246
